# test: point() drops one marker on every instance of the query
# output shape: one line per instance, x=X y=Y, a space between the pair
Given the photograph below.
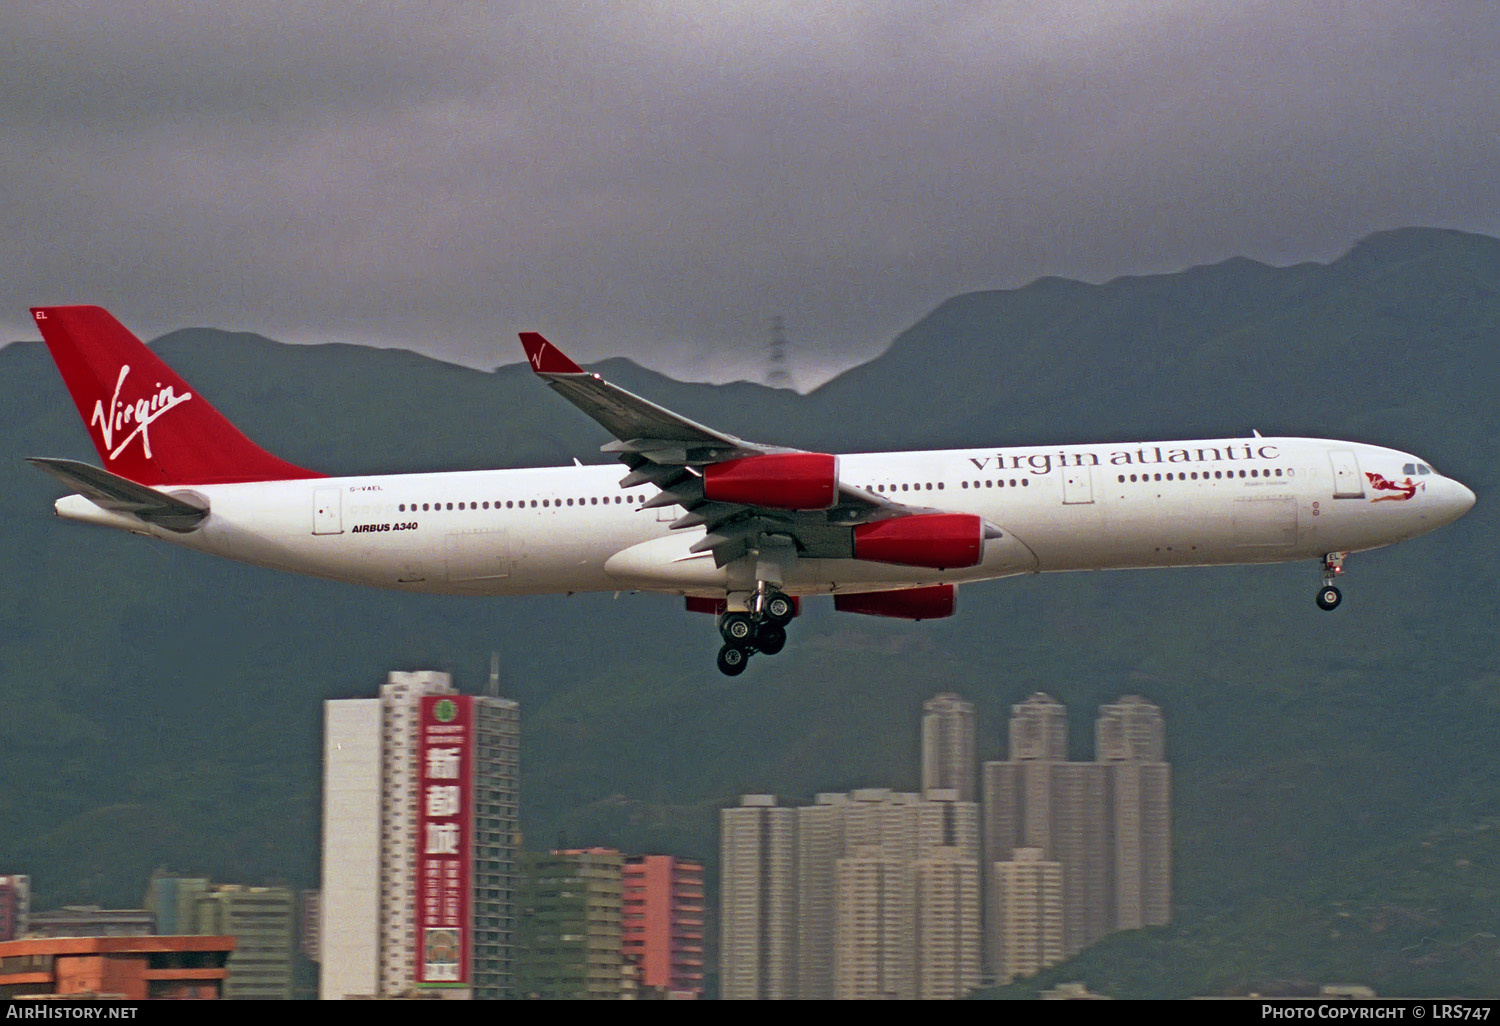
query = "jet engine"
x=943 y=541
x=782 y=480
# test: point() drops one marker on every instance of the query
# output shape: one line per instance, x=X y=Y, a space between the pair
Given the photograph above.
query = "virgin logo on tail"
x=141 y=413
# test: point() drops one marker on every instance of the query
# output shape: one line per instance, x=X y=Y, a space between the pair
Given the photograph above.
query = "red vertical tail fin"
x=147 y=424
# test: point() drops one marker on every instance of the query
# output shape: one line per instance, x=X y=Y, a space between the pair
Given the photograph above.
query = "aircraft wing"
x=674 y=453
x=627 y=416
x=121 y=495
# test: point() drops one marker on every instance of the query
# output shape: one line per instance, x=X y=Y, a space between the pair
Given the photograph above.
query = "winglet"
x=545 y=357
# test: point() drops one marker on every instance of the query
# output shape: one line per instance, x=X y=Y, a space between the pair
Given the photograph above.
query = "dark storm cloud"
x=659 y=179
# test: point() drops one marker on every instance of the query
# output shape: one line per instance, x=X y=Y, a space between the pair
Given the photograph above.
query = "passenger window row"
x=1206 y=476
x=928 y=485
x=617 y=500
x=593 y=500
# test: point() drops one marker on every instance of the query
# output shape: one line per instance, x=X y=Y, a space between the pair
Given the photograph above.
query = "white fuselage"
x=1078 y=507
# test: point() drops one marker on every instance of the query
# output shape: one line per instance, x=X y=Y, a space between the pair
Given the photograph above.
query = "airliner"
x=741 y=530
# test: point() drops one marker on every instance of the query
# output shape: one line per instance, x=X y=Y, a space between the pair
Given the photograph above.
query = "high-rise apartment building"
x=1130 y=730
x=352 y=847
x=1080 y=841
x=400 y=794
x=173 y=902
x=15 y=906
x=948 y=761
x=420 y=829
x=1026 y=899
x=875 y=928
x=758 y=900
x=1037 y=799
x=1106 y=823
x=948 y=958
x=495 y=815
x=663 y=924
x=262 y=920
x=820 y=843
x=1130 y=746
x=571 y=925
x=895 y=843
x=845 y=852
x=949 y=909
x=1039 y=729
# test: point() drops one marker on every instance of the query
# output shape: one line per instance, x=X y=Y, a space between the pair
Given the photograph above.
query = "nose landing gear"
x=761 y=629
x=1329 y=597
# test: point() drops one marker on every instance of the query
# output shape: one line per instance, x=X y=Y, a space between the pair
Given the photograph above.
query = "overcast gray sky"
x=658 y=179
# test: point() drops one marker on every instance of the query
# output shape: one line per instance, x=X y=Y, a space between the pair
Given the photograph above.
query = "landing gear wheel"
x=1329 y=597
x=737 y=628
x=771 y=638
x=779 y=609
x=732 y=660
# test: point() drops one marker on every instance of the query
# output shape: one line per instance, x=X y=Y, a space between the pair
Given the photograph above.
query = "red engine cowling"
x=932 y=603
x=783 y=480
x=942 y=541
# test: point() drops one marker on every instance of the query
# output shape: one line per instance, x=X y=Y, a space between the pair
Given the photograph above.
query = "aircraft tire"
x=1329 y=598
x=732 y=660
x=780 y=609
x=771 y=638
x=737 y=628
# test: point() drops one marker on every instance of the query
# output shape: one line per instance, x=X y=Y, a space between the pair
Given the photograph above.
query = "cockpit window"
x=1409 y=469
x=1423 y=468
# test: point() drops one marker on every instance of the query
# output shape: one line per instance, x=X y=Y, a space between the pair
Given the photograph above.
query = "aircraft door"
x=328 y=511
x=1348 y=483
x=1078 y=486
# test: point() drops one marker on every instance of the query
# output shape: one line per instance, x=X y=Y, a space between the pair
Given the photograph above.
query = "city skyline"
x=880 y=893
x=1127 y=729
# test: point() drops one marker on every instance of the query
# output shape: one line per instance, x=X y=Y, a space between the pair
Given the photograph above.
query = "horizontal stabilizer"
x=180 y=512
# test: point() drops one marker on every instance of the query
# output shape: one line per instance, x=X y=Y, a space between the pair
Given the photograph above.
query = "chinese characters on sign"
x=444 y=849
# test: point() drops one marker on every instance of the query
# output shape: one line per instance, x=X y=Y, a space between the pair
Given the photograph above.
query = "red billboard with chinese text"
x=444 y=847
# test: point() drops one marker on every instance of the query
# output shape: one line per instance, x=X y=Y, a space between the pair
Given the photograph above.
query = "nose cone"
x=1457 y=500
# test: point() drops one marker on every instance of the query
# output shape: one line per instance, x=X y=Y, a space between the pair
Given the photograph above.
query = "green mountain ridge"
x=161 y=708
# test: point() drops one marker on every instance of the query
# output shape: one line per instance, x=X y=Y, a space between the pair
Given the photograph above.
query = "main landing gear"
x=761 y=628
x=1329 y=597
